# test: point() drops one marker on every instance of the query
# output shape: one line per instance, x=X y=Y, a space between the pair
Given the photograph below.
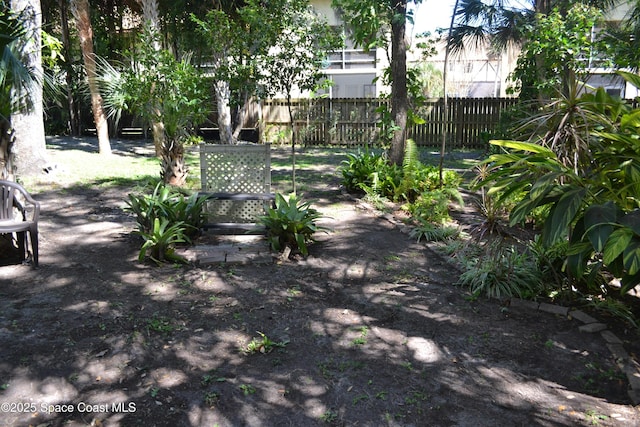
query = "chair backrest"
x=8 y=200
x=15 y=199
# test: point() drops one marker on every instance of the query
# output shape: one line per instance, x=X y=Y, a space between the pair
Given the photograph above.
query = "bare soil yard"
x=369 y=330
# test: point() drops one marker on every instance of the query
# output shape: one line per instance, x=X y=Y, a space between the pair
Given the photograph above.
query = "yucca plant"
x=291 y=223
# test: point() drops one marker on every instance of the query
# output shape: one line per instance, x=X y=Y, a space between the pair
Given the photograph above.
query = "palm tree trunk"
x=80 y=10
x=6 y=156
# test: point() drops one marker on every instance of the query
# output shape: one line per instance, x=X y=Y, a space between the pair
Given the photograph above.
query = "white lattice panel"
x=235 y=169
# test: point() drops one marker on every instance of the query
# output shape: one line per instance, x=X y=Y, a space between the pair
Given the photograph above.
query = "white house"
x=353 y=72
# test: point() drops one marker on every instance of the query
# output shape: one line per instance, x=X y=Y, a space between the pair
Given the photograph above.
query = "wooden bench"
x=236 y=180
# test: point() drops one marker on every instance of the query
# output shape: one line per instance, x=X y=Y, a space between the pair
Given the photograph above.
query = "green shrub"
x=160 y=240
x=433 y=206
x=164 y=218
x=501 y=273
x=434 y=233
x=170 y=203
x=359 y=169
x=291 y=223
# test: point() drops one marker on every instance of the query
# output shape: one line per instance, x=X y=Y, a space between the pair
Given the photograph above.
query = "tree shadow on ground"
x=371 y=332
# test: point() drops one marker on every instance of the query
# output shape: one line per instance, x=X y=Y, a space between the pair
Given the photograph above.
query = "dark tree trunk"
x=6 y=156
x=399 y=98
x=74 y=118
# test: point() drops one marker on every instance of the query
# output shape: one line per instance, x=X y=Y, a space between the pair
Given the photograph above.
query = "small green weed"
x=211 y=398
x=407 y=365
x=263 y=344
x=154 y=391
x=595 y=417
x=247 y=389
x=362 y=339
x=359 y=398
x=329 y=417
x=381 y=395
x=160 y=324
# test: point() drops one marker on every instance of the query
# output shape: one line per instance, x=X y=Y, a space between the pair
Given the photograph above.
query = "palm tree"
x=500 y=22
x=503 y=23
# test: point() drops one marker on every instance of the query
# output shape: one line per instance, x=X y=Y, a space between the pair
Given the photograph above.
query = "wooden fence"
x=353 y=122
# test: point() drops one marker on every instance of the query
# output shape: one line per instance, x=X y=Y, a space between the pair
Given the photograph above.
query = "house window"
x=348 y=59
x=614 y=91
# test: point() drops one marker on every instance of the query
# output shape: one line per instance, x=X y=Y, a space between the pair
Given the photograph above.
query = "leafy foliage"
x=160 y=240
x=501 y=273
x=166 y=217
x=595 y=206
x=159 y=89
x=415 y=184
x=359 y=168
x=17 y=81
x=431 y=232
x=291 y=223
x=555 y=49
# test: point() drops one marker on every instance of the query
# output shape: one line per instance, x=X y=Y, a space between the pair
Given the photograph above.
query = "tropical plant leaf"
x=632 y=78
x=631 y=256
x=629 y=282
x=632 y=220
x=523 y=146
x=616 y=244
x=562 y=214
x=577 y=257
x=599 y=220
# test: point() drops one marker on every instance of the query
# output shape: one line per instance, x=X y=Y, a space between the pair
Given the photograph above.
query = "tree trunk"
x=29 y=151
x=74 y=119
x=223 y=96
x=6 y=156
x=174 y=170
x=293 y=144
x=152 y=21
x=399 y=97
x=80 y=9
x=242 y=111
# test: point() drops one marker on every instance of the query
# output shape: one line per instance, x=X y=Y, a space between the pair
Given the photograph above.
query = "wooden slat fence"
x=352 y=122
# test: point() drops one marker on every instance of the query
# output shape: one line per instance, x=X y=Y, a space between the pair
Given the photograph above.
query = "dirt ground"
x=369 y=330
